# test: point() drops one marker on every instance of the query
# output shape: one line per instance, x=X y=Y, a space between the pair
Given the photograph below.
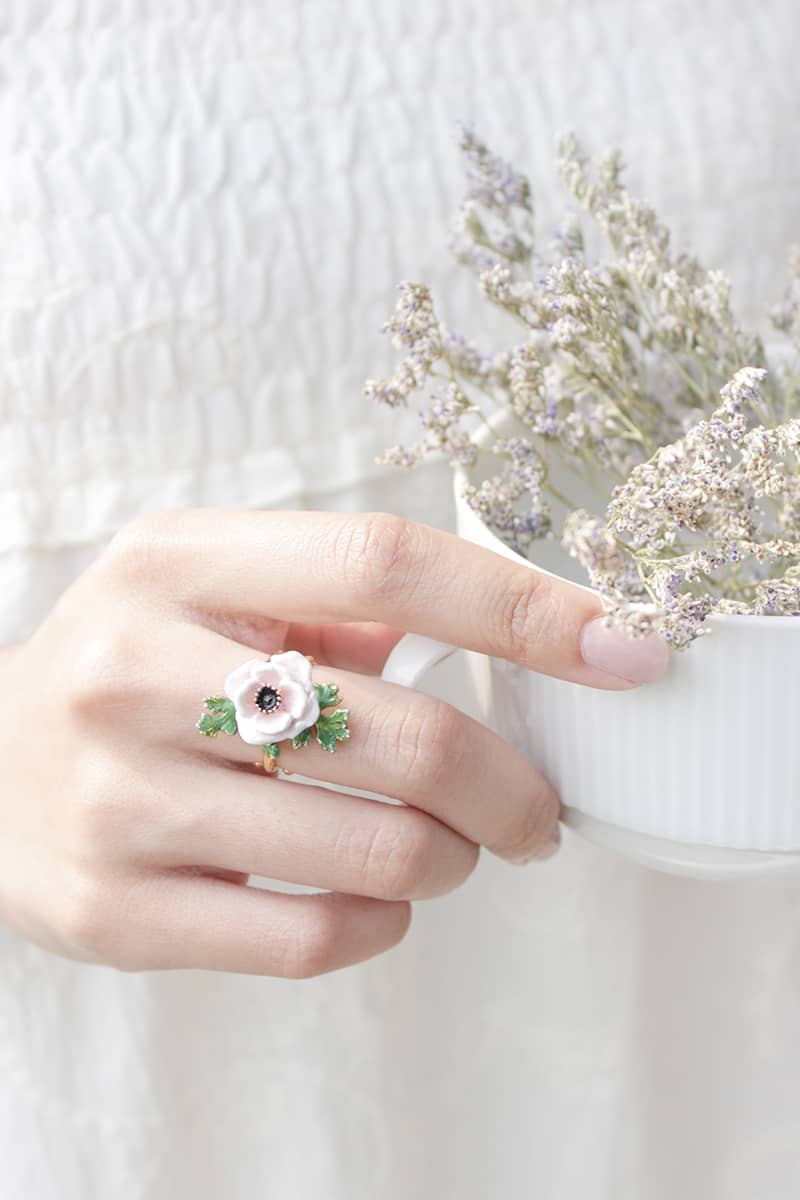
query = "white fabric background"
x=204 y=206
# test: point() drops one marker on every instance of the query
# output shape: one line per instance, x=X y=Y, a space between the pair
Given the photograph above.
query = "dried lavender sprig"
x=617 y=379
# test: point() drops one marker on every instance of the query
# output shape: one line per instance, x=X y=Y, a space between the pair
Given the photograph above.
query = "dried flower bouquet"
x=627 y=373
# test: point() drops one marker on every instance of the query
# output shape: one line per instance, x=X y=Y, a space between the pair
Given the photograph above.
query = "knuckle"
x=93 y=784
x=139 y=548
x=86 y=918
x=136 y=541
x=104 y=670
x=310 y=946
x=427 y=743
x=399 y=858
x=103 y=812
x=522 y=614
x=375 y=554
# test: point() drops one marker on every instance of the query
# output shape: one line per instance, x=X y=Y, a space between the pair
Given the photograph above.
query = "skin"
x=129 y=839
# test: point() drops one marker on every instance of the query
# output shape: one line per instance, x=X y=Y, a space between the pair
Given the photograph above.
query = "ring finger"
x=405 y=745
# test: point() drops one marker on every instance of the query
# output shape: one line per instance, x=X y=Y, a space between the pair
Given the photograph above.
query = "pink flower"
x=274 y=699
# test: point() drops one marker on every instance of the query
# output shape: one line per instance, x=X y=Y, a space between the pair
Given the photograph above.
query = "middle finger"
x=303 y=834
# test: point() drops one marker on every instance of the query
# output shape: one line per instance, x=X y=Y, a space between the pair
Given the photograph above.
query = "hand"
x=127 y=838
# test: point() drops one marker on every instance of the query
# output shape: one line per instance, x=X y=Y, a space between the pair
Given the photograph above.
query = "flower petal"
x=302 y=723
x=262 y=676
x=250 y=733
x=273 y=724
x=295 y=665
x=240 y=677
x=269 y=676
x=293 y=698
x=309 y=714
x=290 y=673
x=246 y=701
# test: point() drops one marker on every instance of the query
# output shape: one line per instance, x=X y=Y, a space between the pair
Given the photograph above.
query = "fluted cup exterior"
x=710 y=754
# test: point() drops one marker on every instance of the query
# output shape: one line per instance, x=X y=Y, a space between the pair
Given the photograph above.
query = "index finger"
x=321 y=566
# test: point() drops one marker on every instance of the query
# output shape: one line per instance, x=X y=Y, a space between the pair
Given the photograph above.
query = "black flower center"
x=268 y=699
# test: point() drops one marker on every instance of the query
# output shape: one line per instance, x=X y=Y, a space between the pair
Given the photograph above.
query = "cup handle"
x=412 y=657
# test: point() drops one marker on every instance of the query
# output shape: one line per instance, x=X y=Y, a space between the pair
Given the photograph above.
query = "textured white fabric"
x=204 y=206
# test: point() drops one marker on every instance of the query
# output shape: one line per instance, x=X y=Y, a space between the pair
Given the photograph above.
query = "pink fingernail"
x=639 y=660
x=543 y=851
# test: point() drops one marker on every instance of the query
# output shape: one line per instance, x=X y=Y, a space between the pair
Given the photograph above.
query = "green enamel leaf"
x=229 y=723
x=327 y=694
x=272 y=749
x=220 y=718
x=302 y=739
x=332 y=728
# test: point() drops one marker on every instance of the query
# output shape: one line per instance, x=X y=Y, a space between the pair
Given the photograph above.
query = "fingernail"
x=553 y=842
x=638 y=660
x=543 y=851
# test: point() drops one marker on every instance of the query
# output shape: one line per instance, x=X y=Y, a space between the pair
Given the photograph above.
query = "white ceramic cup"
x=698 y=774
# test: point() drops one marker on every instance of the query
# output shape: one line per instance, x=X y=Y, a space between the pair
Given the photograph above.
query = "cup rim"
x=461 y=477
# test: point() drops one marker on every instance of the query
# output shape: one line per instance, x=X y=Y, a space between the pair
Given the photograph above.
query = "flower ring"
x=273 y=700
